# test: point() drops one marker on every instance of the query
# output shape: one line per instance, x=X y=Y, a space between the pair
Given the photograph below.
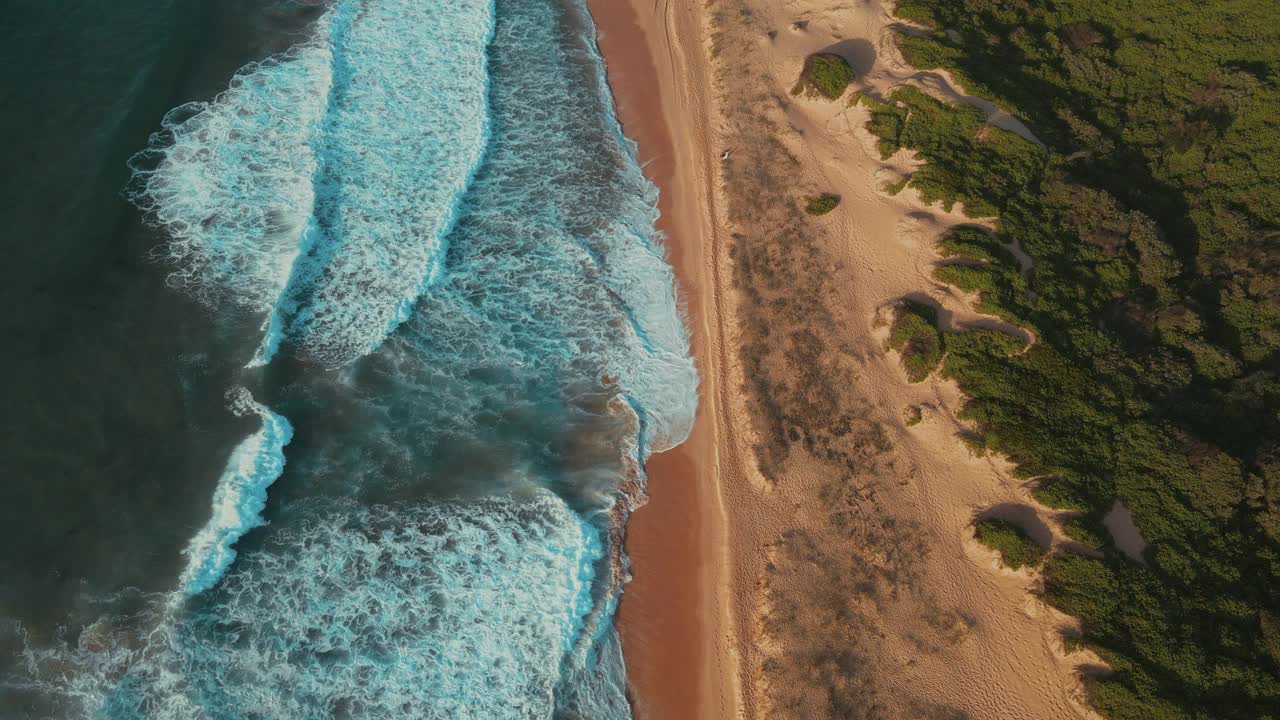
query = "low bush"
x=914 y=334
x=886 y=123
x=1016 y=548
x=822 y=204
x=827 y=74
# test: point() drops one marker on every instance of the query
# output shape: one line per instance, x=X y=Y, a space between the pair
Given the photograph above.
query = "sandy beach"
x=809 y=553
x=673 y=617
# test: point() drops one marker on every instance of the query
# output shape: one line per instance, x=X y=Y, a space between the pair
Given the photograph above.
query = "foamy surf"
x=319 y=188
x=463 y=611
x=445 y=543
x=239 y=497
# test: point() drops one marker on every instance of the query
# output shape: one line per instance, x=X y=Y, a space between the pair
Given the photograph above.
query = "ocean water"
x=406 y=337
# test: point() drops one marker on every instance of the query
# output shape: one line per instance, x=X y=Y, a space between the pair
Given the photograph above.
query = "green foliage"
x=1016 y=548
x=1085 y=530
x=914 y=416
x=821 y=204
x=1063 y=494
x=914 y=334
x=958 y=142
x=887 y=121
x=1082 y=586
x=1071 y=642
x=1168 y=106
x=1150 y=217
x=827 y=74
x=974 y=243
x=999 y=286
x=893 y=188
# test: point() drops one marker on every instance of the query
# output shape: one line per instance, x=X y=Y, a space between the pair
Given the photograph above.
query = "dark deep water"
x=326 y=399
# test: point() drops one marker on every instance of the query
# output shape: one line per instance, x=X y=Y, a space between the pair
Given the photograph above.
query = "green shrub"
x=969 y=160
x=887 y=121
x=1086 y=531
x=822 y=204
x=976 y=244
x=1061 y=494
x=1000 y=288
x=1016 y=548
x=827 y=74
x=1082 y=586
x=914 y=334
x=1071 y=642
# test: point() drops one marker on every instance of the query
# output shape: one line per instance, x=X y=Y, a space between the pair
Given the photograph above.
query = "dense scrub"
x=1016 y=548
x=826 y=74
x=1151 y=217
x=914 y=334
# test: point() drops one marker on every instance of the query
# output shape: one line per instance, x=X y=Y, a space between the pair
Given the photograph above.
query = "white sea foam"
x=239 y=497
x=319 y=188
x=451 y=612
x=308 y=193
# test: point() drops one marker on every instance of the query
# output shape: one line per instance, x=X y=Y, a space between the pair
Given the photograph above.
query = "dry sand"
x=808 y=554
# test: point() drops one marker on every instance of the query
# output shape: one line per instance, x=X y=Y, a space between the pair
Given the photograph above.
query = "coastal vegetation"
x=914 y=334
x=1150 y=215
x=822 y=204
x=1017 y=549
x=833 y=570
x=825 y=74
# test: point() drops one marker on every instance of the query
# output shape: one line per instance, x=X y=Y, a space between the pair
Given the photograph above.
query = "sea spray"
x=239 y=497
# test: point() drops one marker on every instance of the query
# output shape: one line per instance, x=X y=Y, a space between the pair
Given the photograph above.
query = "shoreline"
x=672 y=620
x=805 y=518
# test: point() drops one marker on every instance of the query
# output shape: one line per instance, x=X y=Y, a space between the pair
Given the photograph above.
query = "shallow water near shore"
x=388 y=338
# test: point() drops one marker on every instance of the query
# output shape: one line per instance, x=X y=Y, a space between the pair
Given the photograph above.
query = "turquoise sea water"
x=417 y=337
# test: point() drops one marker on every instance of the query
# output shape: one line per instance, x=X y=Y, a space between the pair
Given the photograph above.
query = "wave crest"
x=462 y=611
x=239 y=497
x=320 y=186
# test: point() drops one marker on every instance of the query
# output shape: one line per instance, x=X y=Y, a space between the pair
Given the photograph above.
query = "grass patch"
x=914 y=334
x=825 y=74
x=822 y=204
x=1016 y=548
x=914 y=416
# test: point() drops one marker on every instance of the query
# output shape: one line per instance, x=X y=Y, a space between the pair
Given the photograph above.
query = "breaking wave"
x=239 y=497
x=319 y=188
x=447 y=612
x=435 y=201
